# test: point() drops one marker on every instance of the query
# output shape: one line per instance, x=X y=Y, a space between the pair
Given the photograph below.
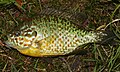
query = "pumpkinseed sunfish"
x=51 y=35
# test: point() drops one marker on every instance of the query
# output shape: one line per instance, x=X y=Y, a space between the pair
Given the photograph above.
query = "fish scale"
x=49 y=35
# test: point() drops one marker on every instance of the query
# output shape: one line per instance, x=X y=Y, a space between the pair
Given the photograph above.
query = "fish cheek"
x=39 y=44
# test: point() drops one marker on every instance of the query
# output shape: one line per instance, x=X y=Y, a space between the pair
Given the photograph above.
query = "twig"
x=13 y=18
x=67 y=65
x=111 y=23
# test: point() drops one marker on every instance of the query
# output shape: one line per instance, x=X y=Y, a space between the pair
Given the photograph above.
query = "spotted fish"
x=51 y=34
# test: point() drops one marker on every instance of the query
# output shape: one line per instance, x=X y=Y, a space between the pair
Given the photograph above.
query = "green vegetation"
x=101 y=14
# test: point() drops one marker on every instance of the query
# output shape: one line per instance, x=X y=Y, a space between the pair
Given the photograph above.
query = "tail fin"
x=110 y=38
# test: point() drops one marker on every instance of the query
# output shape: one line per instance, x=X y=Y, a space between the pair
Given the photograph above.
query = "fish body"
x=51 y=36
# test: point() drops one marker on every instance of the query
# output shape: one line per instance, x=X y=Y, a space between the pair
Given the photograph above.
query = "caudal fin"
x=110 y=38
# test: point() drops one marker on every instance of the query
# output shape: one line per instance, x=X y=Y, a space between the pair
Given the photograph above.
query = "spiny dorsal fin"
x=77 y=18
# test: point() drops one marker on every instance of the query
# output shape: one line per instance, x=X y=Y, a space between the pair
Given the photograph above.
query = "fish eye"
x=17 y=34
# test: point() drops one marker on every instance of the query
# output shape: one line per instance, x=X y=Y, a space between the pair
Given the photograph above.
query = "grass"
x=100 y=58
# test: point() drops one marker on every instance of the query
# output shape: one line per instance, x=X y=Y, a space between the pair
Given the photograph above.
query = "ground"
x=101 y=14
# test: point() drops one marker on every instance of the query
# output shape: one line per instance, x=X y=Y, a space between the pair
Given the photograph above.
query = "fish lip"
x=7 y=44
x=10 y=45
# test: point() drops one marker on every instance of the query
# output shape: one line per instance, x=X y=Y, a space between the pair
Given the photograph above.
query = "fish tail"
x=109 y=38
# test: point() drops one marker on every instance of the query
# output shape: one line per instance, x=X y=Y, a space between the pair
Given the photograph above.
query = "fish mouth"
x=10 y=45
x=7 y=44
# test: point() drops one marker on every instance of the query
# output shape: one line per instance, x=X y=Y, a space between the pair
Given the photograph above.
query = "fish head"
x=22 y=38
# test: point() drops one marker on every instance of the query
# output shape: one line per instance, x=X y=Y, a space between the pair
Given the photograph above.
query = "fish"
x=52 y=33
